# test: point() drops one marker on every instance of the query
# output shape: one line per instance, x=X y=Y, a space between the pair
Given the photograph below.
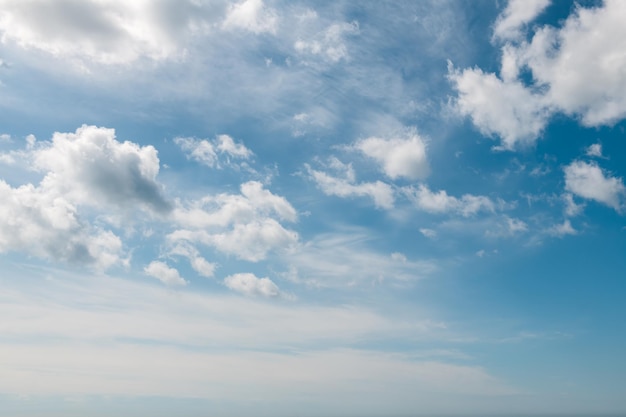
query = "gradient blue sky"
x=271 y=208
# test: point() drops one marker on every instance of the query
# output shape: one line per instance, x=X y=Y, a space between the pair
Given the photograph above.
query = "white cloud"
x=39 y=222
x=594 y=150
x=497 y=107
x=561 y=61
x=91 y=167
x=345 y=187
x=560 y=230
x=441 y=202
x=429 y=233
x=206 y=152
x=589 y=46
x=330 y=43
x=402 y=156
x=250 y=284
x=571 y=208
x=251 y=15
x=198 y=263
x=5 y=137
x=242 y=225
x=164 y=273
x=104 y=31
x=517 y=14
x=587 y=180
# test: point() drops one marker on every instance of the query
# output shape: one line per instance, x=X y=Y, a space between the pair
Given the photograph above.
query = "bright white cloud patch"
x=244 y=225
x=587 y=180
x=403 y=156
x=562 y=61
x=250 y=284
x=39 y=222
x=594 y=150
x=441 y=202
x=251 y=15
x=164 y=273
x=503 y=108
x=104 y=31
x=209 y=152
x=517 y=14
x=91 y=167
x=346 y=186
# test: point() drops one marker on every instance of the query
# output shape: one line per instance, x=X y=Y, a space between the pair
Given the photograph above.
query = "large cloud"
x=441 y=202
x=345 y=184
x=576 y=69
x=42 y=223
x=91 y=167
x=106 y=31
x=587 y=180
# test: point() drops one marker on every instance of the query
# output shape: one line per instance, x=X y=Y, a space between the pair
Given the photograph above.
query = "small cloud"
x=480 y=253
x=563 y=229
x=397 y=256
x=212 y=152
x=429 y=233
x=253 y=16
x=249 y=284
x=165 y=274
x=588 y=180
x=594 y=150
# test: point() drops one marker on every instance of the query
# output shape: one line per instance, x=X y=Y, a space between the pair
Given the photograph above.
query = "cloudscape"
x=311 y=208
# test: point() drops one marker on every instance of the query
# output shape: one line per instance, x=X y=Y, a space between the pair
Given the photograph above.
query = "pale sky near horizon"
x=312 y=208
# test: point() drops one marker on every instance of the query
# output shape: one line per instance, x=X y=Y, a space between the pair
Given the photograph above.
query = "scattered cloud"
x=563 y=229
x=250 y=284
x=400 y=156
x=109 y=32
x=91 y=167
x=561 y=61
x=429 y=233
x=253 y=16
x=243 y=225
x=208 y=152
x=164 y=273
x=346 y=185
x=515 y=16
x=441 y=202
x=588 y=180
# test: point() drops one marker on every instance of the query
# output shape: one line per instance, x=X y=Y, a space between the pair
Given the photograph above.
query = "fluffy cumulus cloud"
x=86 y=168
x=251 y=15
x=214 y=153
x=517 y=14
x=39 y=222
x=403 y=156
x=576 y=70
x=588 y=180
x=250 y=284
x=164 y=273
x=345 y=185
x=91 y=167
x=104 y=31
x=441 y=202
x=506 y=109
x=246 y=225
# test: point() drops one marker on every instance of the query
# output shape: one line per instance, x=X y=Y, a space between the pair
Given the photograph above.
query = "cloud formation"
x=441 y=202
x=250 y=284
x=588 y=180
x=403 y=156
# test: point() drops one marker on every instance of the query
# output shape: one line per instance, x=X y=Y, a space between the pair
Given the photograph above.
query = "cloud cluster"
x=245 y=225
x=209 y=152
x=576 y=70
x=441 y=202
x=345 y=184
x=87 y=168
x=588 y=180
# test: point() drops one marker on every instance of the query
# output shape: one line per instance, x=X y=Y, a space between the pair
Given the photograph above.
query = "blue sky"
x=312 y=208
